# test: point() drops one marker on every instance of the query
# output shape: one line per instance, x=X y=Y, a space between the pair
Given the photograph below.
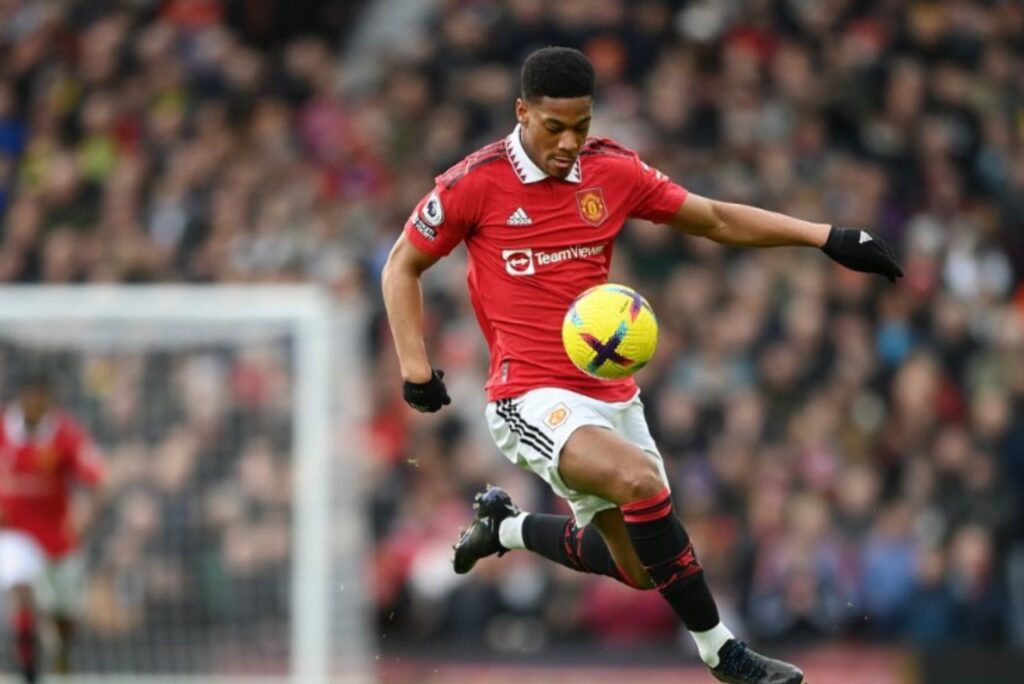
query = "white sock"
x=710 y=641
x=510 y=531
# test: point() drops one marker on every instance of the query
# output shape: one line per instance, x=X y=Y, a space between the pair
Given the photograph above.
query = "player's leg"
x=21 y=562
x=600 y=462
x=612 y=527
x=601 y=548
x=525 y=432
x=59 y=595
x=65 y=628
x=26 y=637
x=499 y=526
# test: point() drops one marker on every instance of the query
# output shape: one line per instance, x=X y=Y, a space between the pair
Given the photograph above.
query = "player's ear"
x=522 y=113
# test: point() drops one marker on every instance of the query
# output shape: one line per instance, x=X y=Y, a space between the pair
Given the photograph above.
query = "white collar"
x=524 y=167
x=17 y=433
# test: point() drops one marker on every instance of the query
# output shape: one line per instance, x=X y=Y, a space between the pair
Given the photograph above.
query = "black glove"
x=862 y=251
x=429 y=396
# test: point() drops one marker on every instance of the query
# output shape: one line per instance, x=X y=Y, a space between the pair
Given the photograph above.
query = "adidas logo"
x=519 y=217
x=864 y=237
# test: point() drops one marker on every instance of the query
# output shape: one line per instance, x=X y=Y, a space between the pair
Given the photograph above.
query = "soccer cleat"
x=481 y=538
x=738 y=664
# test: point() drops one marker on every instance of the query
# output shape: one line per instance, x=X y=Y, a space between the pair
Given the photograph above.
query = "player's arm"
x=423 y=388
x=746 y=226
x=403 y=301
x=89 y=471
x=88 y=504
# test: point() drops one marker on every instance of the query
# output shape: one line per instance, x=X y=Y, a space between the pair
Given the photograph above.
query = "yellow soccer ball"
x=610 y=331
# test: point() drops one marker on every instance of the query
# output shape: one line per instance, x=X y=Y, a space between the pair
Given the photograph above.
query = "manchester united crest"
x=46 y=458
x=590 y=202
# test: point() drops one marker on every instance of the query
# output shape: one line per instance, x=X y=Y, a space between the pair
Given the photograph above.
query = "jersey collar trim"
x=16 y=431
x=524 y=167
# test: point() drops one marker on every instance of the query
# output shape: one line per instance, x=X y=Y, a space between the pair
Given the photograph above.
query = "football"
x=610 y=331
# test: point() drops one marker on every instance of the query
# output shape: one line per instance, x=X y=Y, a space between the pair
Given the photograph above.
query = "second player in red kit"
x=44 y=455
x=539 y=211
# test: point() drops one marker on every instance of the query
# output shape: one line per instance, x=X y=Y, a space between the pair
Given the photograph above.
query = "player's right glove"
x=429 y=396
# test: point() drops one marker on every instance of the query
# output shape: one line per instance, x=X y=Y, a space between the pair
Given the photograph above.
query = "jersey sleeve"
x=440 y=221
x=86 y=462
x=657 y=197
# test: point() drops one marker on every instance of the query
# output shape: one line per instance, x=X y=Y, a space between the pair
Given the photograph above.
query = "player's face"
x=35 y=402
x=554 y=129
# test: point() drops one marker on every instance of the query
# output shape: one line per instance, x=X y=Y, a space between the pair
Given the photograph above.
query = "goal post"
x=327 y=619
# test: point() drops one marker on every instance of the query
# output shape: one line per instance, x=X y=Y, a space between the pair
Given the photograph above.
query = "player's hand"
x=862 y=251
x=81 y=524
x=429 y=396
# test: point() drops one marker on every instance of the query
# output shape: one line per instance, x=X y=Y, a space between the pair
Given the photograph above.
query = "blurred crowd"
x=179 y=140
x=847 y=455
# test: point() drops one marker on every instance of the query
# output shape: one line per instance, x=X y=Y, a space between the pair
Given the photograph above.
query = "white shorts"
x=531 y=430
x=57 y=583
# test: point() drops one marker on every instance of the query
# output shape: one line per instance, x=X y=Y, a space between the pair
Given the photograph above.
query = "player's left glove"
x=429 y=396
x=862 y=251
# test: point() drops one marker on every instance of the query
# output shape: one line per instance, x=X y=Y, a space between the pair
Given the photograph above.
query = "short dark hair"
x=34 y=376
x=557 y=72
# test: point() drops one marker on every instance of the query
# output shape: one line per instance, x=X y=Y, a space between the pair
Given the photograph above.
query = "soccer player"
x=538 y=212
x=43 y=453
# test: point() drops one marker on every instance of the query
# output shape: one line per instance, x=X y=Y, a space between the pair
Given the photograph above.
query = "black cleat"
x=738 y=664
x=481 y=538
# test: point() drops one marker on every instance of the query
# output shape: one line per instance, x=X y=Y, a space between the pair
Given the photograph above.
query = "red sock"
x=25 y=637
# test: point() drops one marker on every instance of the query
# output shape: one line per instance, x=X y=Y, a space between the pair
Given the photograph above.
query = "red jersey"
x=36 y=474
x=534 y=244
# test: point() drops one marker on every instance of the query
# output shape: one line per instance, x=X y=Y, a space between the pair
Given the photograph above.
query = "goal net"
x=231 y=545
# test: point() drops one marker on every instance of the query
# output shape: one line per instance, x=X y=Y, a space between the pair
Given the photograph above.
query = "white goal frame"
x=329 y=624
